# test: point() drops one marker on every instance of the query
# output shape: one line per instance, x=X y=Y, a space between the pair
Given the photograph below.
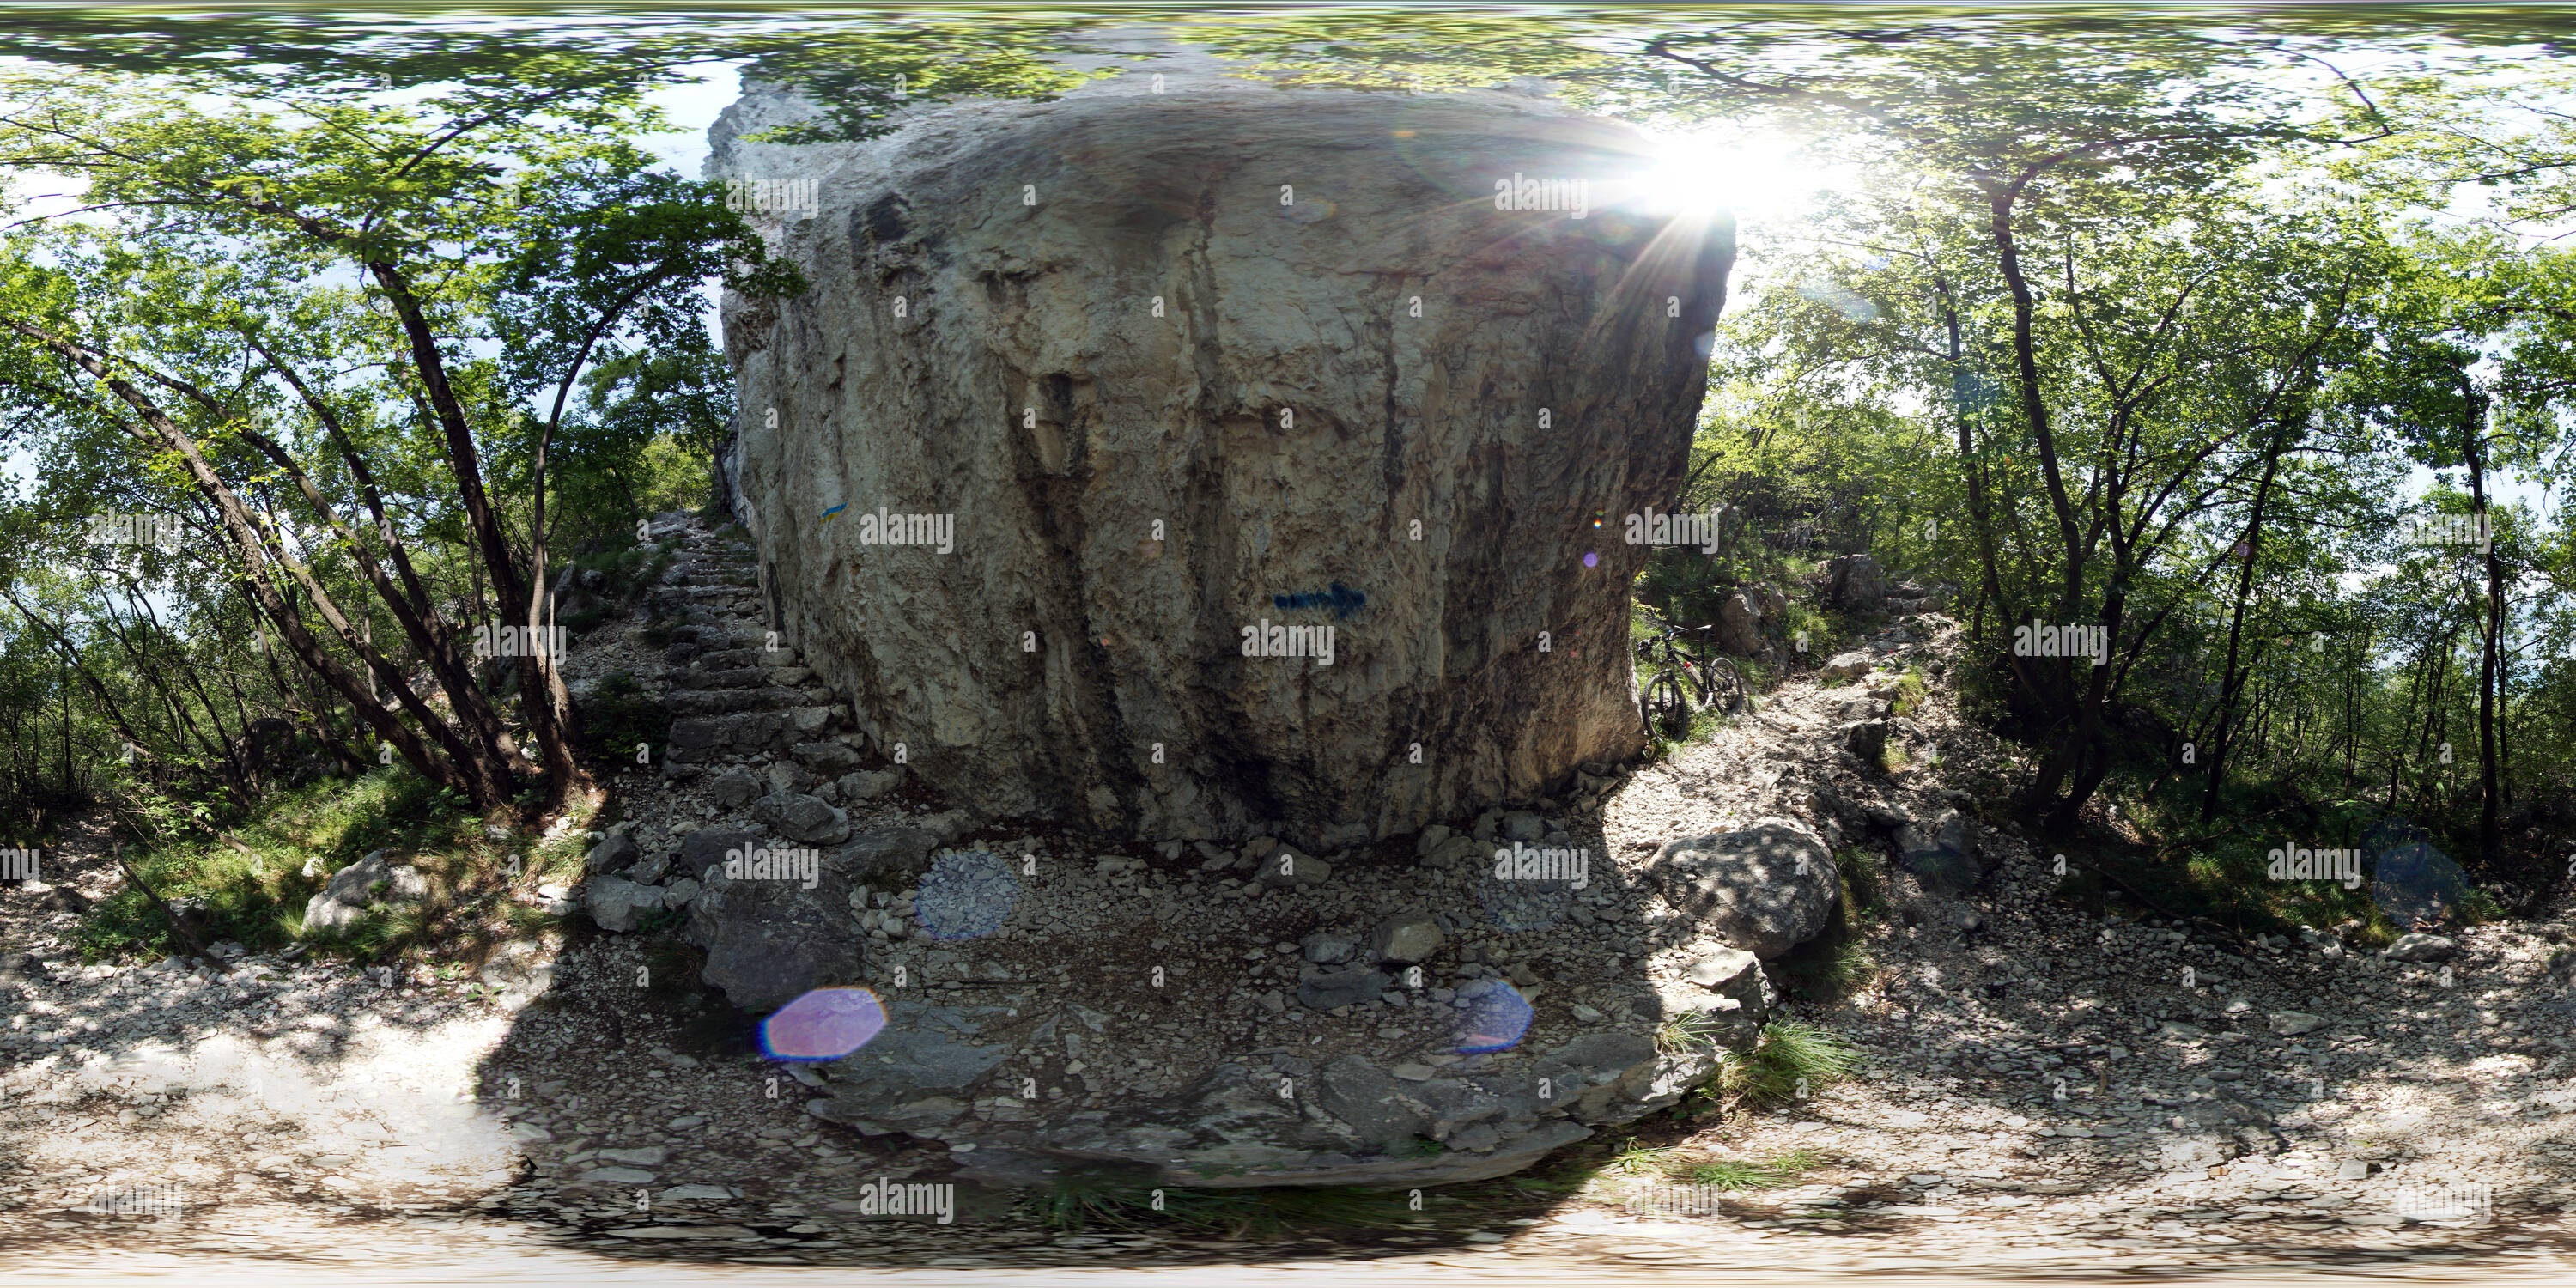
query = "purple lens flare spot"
x=825 y=1024
x=1494 y=1018
x=1591 y=558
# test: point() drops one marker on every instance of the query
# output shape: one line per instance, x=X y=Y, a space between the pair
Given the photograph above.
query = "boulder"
x=373 y=881
x=914 y=1074
x=1739 y=624
x=1291 y=869
x=883 y=854
x=734 y=788
x=1406 y=940
x=1723 y=998
x=614 y=902
x=788 y=777
x=799 y=817
x=869 y=784
x=2290 y=1024
x=1867 y=739
x=611 y=855
x=2422 y=948
x=1941 y=852
x=1461 y=851
x=705 y=848
x=1723 y=970
x=1845 y=705
x=1176 y=379
x=830 y=759
x=1848 y=666
x=769 y=942
x=1766 y=888
x=1855 y=583
x=1325 y=949
x=1343 y=988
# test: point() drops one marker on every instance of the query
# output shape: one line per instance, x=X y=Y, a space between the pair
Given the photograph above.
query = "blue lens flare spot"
x=1493 y=1016
x=967 y=894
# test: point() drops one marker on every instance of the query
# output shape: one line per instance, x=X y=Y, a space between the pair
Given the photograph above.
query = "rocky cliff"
x=1221 y=460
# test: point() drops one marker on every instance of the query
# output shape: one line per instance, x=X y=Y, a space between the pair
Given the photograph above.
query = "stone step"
x=696 y=594
x=700 y=738
x=707 y=615
x=700 y=677
x=723 y=658
x=742 y=677
x=708 y=702
x=712 y=578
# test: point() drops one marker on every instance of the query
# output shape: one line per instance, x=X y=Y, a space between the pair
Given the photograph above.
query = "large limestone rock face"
x=1167 y=366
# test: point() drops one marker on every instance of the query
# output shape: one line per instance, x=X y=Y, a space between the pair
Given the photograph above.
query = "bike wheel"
x=1668 y=708
x=1725 y=686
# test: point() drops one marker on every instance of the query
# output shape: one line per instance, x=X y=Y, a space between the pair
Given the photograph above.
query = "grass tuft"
x=1237 y=1214
x=1749 y=1174
x=1791 y=1059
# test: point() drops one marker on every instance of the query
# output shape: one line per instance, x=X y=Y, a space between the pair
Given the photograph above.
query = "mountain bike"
x=1688 y=674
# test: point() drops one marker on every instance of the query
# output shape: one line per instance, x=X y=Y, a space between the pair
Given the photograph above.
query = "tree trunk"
x=455 y=768
x=2490 y=640
x=2229 y=679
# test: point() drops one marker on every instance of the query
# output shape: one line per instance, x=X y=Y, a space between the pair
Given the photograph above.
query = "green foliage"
x=1911 y=688
x=1863 y=871
x=257 y=898
x=1687 y=1031
x=1749 y=1174
x=1789 y=1052
x=1078 y=1204
x=618 y=715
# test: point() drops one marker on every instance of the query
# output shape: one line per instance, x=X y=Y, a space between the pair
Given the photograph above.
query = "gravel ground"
x=2043 y=1093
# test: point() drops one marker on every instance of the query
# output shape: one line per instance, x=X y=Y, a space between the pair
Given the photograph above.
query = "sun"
x=1701 y=172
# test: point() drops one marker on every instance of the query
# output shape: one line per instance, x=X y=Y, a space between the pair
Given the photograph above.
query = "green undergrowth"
x=2224 y=882
x=1793 y=1060
x=253 y=887
x=1633 y=1163
x=618 y=715
x=1076 y=1205
x=1911 y=688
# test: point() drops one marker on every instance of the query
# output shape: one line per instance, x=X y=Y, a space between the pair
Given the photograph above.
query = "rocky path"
x=2297 y=1105
x=2043 y=1081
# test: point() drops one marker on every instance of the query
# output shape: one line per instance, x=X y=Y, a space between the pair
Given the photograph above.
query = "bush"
x=617 y=715
x=256 y=897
